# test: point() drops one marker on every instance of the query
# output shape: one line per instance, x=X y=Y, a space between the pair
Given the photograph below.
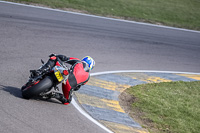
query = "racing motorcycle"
x=45 y=81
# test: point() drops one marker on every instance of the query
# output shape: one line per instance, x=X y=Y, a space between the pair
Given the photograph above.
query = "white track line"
x=121 y=71
x=121 y=20
x=154 y=71
x=89 y=117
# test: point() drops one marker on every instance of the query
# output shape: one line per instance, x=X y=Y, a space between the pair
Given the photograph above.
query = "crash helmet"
x=89 y=60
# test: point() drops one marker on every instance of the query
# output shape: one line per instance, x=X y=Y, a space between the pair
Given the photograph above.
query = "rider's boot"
x=59 y=97
x=49 y=65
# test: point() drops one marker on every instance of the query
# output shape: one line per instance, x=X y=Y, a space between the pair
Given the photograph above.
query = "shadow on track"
x=12 y=90
x=17 y=93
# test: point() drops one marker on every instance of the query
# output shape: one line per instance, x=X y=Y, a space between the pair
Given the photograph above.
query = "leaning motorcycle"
x=44 y=82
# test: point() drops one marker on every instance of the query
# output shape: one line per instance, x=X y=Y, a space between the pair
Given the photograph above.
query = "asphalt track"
x=28 y=34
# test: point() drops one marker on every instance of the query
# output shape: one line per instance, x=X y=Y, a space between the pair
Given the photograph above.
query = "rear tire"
x=43 y=86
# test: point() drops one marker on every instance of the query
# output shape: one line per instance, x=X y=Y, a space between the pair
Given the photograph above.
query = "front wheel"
x=42 y=86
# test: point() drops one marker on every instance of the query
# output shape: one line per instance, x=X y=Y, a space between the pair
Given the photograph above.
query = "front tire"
x=43 y=86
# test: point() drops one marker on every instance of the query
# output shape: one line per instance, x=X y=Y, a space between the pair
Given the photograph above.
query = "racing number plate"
x=59 y=76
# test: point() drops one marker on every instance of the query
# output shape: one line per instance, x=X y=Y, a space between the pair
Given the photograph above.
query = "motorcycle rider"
x=78 y=75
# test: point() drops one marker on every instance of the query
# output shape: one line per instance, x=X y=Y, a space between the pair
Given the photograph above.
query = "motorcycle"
x=45 y=81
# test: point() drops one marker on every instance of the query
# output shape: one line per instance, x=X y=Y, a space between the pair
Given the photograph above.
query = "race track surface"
x=29 y=34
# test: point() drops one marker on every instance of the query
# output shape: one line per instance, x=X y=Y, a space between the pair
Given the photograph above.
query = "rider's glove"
x=77 y=88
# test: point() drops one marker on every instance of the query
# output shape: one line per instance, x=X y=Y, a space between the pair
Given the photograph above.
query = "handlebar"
x=62 y=64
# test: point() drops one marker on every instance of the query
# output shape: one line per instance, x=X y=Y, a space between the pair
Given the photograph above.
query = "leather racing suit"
x=78 y=76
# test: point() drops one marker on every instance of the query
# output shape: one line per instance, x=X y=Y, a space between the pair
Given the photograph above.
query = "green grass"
x=170 y=107
x=178 y=13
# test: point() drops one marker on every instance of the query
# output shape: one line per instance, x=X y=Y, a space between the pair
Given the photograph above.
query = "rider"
x=78 y=75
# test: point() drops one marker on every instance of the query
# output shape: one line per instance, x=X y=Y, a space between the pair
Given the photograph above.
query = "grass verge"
x=172 y=107
x=177 y=13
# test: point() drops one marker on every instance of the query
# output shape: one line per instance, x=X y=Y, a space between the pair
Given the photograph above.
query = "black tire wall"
x=35 y=90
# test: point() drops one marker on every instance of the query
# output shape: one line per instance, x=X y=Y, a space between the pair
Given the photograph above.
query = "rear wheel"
x=42 y=86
